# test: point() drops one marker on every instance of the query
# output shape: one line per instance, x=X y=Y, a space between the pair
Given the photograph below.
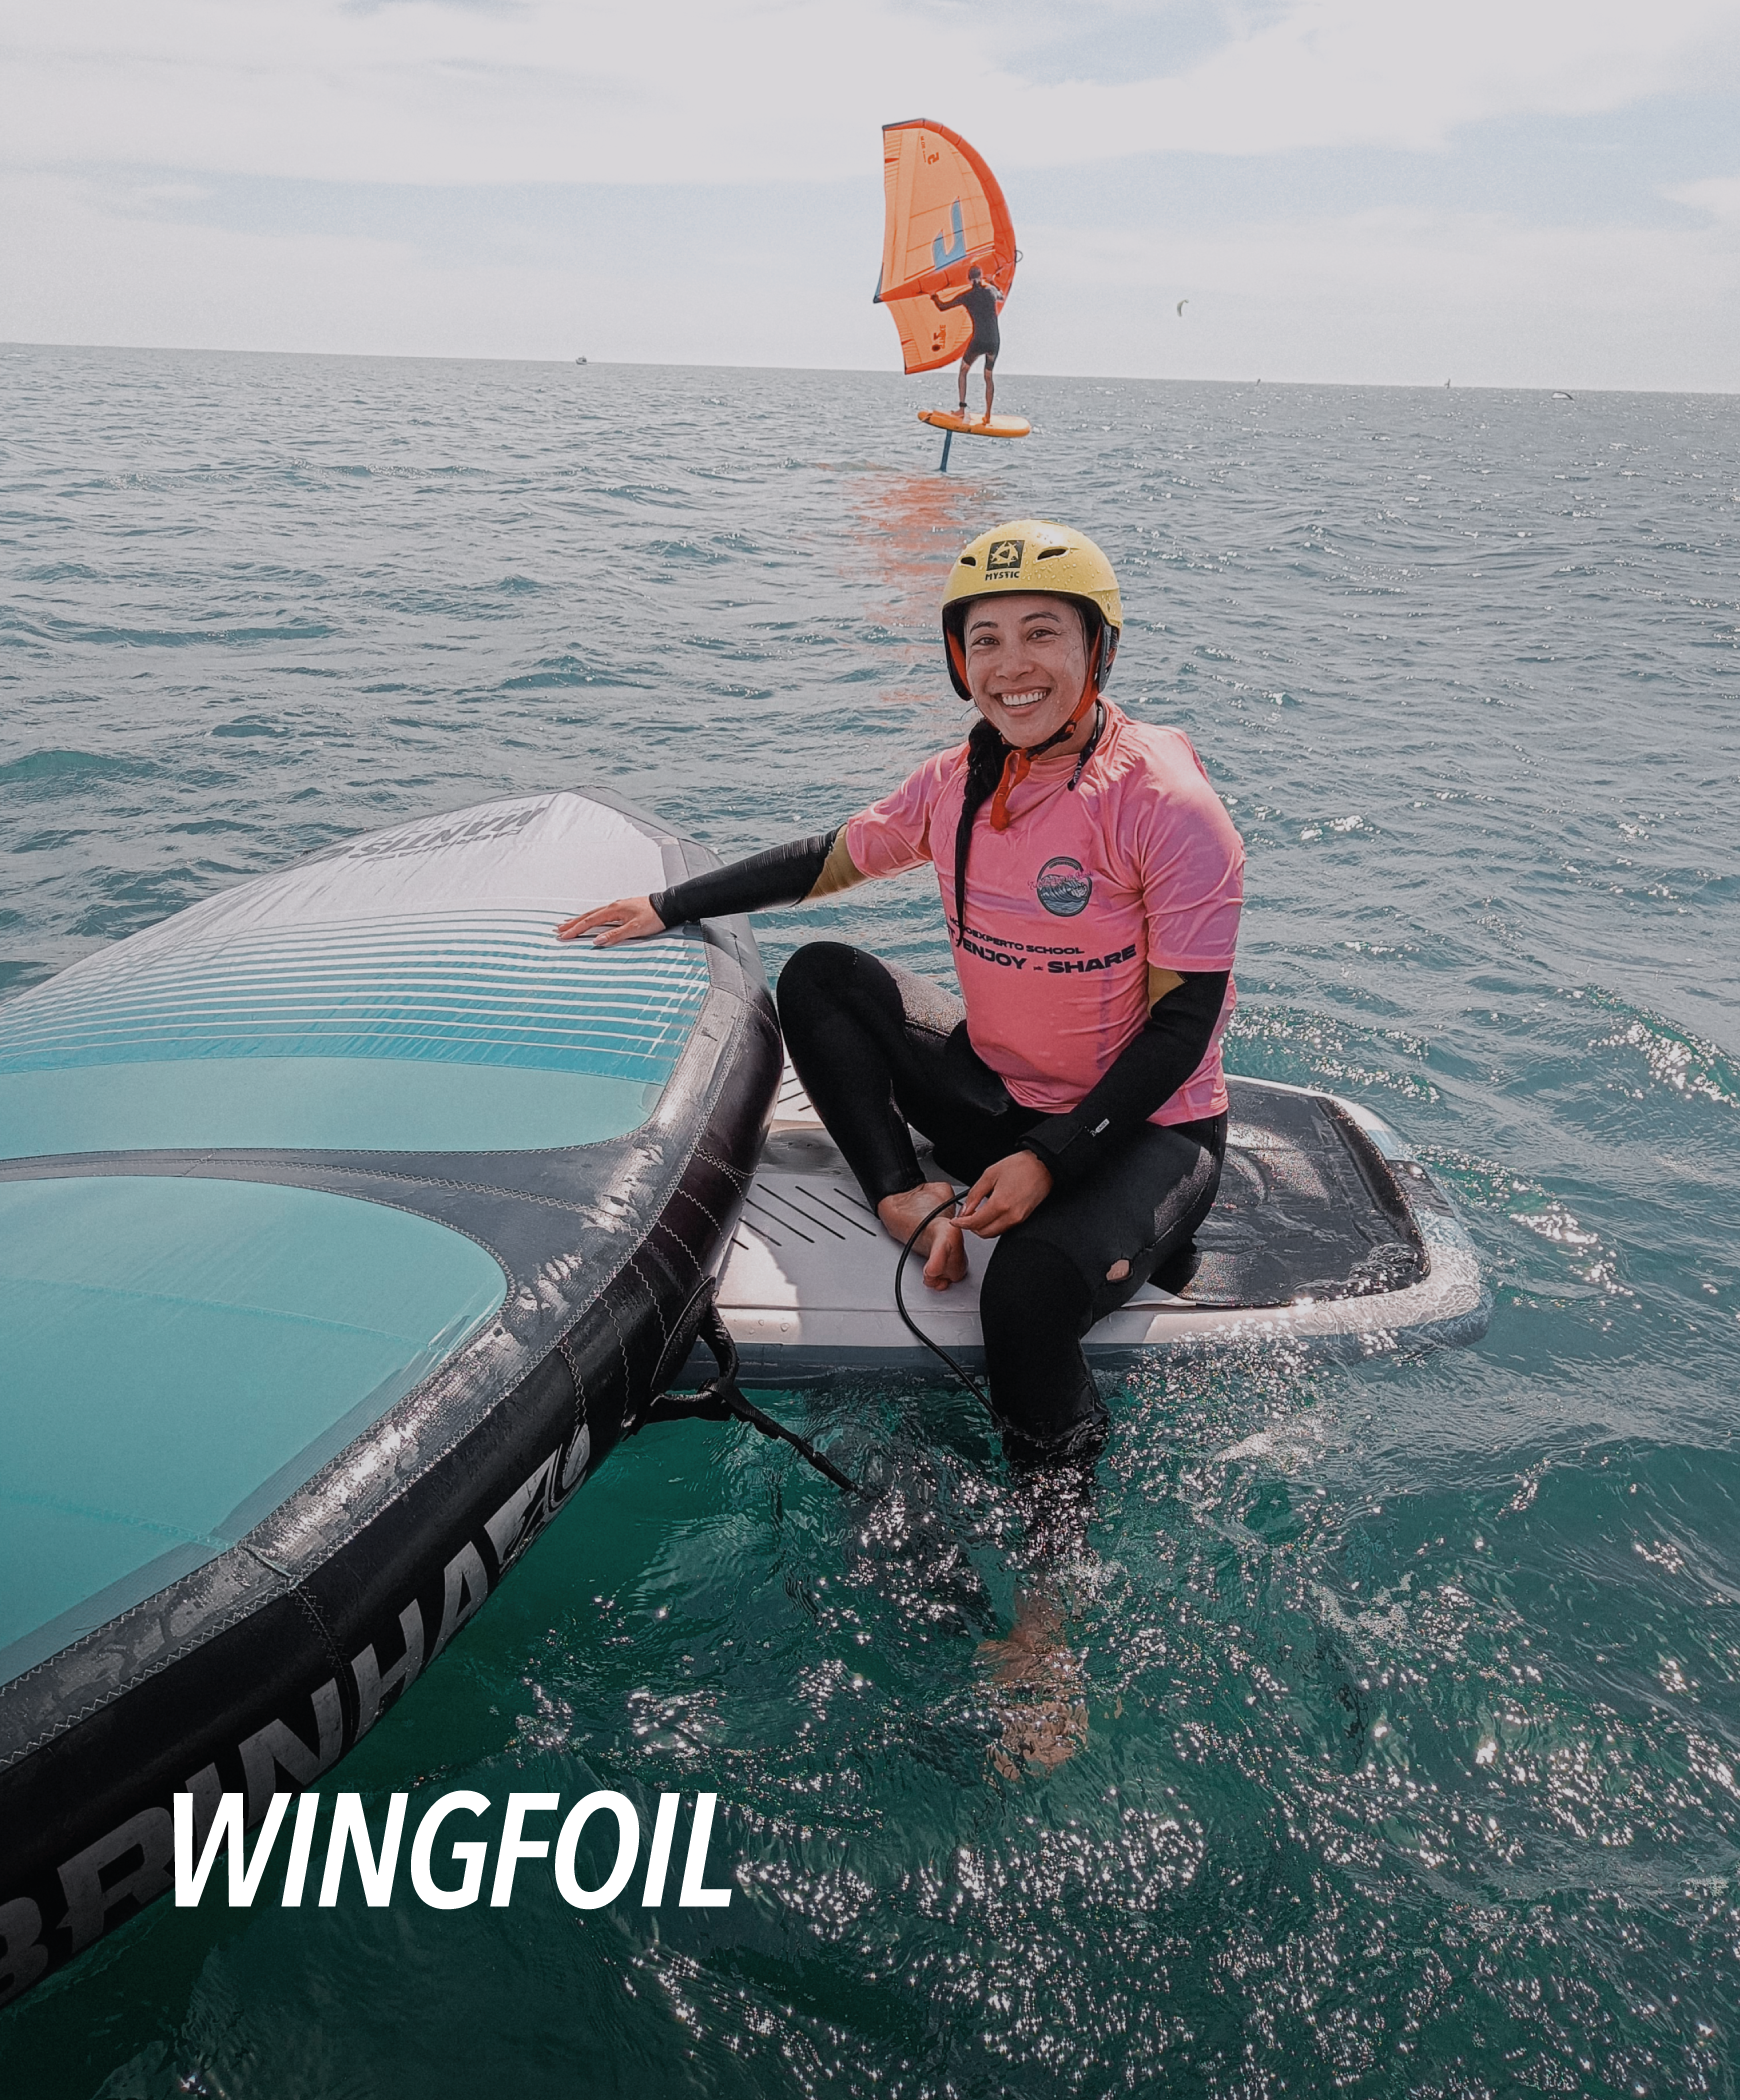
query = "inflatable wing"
x=945 y=213
x=347 y=1220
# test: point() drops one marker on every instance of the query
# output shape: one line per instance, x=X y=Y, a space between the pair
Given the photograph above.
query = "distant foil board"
x=347 y=1220
x=976 y=426
x=1327 y=1232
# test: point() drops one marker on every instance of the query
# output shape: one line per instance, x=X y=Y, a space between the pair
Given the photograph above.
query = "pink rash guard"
x=1067 y=911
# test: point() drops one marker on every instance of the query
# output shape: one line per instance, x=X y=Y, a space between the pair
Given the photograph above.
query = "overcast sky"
x=1498 y=192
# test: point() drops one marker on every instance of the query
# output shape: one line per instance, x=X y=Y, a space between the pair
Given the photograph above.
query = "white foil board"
x=807 y=1287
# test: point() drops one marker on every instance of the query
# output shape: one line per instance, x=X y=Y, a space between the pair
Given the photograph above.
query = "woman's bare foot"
x=945 y=1254
x=1041 y=1681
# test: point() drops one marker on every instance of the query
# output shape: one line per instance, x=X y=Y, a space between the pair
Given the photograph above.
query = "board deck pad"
x=1324 y=1225
x=976 y=426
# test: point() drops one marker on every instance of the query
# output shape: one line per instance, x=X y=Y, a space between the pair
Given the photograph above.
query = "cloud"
x=1720 y=197
x=542 y=177
x=736 y=91
x=1386 y=296
x=1381 y=296
x=1380 y=73
x=83 y=261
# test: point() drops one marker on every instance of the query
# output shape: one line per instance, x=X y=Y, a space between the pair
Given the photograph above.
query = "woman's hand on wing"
x=628 y=919
x=1005 y=1193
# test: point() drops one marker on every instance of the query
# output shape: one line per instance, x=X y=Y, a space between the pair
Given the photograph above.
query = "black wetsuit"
x=879 y=1049
x=980 y=302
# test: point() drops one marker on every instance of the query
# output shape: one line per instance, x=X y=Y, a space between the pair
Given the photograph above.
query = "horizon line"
x=1425 y=386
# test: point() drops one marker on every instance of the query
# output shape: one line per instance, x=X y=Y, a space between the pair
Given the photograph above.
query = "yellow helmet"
x=1032 y=554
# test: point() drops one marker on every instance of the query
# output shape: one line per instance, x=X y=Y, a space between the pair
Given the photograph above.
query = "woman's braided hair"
x=987 y=753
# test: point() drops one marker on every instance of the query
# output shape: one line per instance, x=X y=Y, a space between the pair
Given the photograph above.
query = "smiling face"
x=1027 y=663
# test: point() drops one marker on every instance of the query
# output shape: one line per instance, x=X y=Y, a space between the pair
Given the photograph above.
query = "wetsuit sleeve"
x=1144 y=1076
x=813 y=867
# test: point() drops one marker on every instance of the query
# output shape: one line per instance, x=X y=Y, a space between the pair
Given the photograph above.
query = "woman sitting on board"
x=981 y=301
x=1091 y=882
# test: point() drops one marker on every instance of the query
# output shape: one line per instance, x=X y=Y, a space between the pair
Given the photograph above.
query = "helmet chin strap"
x=1019 y=762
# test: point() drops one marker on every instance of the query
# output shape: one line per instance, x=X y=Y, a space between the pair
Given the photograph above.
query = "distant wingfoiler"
x=945 y=213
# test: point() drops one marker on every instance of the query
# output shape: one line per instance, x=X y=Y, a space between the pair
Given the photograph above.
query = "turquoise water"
x=1404 y=1697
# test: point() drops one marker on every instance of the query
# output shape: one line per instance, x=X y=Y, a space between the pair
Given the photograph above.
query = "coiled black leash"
x=720 y=1400
x=936 y=1348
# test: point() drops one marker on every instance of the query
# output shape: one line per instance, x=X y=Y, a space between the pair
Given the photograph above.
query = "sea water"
x=1403 y=1698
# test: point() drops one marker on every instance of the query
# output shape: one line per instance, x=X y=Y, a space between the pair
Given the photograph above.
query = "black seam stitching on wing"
x=311 y=1612
x=688 y=1196
x=648 y=1286
x=565 y=1347
x=735 y=1174
x=609 y=1312
x=159 y=1663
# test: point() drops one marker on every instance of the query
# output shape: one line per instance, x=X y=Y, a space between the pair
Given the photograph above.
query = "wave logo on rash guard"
x=1064 y=887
